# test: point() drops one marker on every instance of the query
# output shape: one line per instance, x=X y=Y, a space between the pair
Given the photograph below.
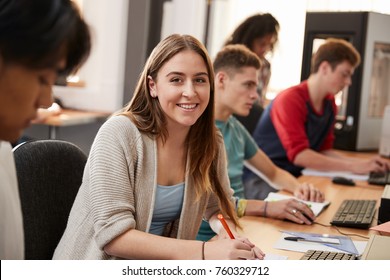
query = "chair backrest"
x=49 y=174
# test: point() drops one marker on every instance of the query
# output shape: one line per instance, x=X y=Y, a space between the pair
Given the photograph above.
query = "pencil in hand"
x=225 y=226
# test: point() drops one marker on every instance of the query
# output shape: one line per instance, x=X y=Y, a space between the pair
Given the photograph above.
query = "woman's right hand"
x=232 y=249
x=291 y=209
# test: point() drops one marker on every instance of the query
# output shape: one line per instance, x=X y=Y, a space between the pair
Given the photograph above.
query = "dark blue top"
x=290 y=124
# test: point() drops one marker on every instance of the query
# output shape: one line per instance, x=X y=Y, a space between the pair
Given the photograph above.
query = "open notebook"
x=316 y=207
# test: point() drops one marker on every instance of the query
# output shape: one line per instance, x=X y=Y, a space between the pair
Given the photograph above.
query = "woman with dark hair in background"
x=259 y=33
x=38 y=41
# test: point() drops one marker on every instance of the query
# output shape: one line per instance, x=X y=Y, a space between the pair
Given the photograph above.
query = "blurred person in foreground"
x=38 y=41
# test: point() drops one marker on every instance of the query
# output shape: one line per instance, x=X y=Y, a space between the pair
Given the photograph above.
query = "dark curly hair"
x=256 y=26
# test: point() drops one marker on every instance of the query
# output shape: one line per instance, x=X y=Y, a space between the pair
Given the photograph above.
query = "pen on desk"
x=225 y=225
x=301 y=239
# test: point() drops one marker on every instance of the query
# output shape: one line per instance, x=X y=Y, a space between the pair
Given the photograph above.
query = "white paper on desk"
x=304 y=246
x=273 y=257
x=316 y=207
x=331 y=174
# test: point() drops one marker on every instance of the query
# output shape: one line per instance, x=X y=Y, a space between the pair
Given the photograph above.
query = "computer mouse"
x=307 y=217
x=343 y=181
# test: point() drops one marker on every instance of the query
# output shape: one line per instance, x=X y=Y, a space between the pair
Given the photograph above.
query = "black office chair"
x=49 y=174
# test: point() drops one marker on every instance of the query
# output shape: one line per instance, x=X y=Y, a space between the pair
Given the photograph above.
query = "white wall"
x=379 y=6
x=103 y=72
x=184 y=17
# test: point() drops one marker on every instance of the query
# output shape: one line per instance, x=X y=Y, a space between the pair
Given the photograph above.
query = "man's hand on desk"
x=308 y=192
x=375 y=164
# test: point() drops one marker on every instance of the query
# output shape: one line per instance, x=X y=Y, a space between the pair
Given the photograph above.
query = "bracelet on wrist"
x=265 y=209
x=203 y=243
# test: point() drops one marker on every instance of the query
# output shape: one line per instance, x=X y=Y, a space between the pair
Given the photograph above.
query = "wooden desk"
x=71 y=117
x=264 y=232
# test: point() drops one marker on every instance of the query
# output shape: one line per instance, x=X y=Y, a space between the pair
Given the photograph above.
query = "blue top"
x=239 y=146
x=169 y=202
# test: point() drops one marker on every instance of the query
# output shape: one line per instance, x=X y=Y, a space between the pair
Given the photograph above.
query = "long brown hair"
x=203 y=141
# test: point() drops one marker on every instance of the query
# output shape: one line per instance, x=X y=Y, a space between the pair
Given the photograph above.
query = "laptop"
x=377 y=248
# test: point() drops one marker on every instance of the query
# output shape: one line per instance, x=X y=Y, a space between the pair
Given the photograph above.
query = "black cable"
x=342 y=233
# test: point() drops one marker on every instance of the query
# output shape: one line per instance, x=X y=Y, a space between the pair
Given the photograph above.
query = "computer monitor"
x=384 y=148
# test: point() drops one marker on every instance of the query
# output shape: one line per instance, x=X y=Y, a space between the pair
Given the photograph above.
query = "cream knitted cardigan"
x=118 y=190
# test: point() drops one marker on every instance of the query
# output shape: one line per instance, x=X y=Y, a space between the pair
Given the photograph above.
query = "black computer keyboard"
x=379 y=178
x=326 y=255
x=354 y=213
